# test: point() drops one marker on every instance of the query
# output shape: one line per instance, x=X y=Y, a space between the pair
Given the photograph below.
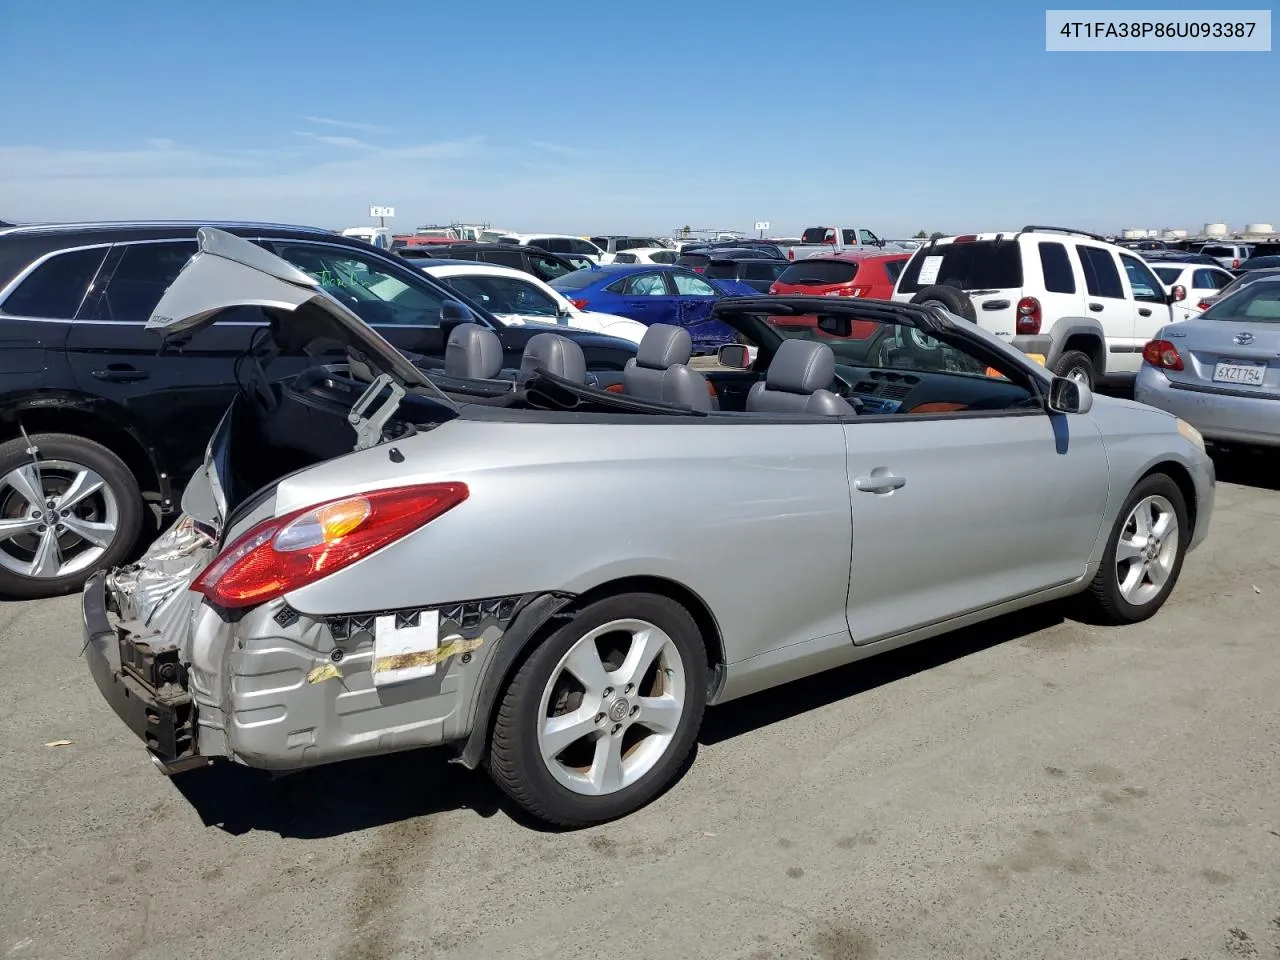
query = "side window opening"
x=56 y=288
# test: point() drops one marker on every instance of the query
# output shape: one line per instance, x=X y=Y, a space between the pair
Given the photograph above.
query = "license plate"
x=1239 y=371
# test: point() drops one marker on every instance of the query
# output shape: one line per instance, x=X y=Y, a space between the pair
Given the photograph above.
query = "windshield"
x=972 y=265
x=1254 y=302
x=883 y=345
x=505 y=295
x=365 y=285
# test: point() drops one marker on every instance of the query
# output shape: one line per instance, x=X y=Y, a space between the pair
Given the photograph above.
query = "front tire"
x=601 y=717
x=1076 y=365
x=1144 y=554
x=71 y=510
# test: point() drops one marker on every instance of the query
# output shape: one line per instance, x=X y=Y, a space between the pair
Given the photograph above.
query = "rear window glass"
x=1260 y=263
x=894 y=269
x=816 y=273
x=576 y=280
x=1219 y=251
x=815 y=234
x=1056 y=266
x=976 y=265
x=1169 y=275
x=1252 y=302
x=694 y=260
x=722 y=270
x=56 y=287
x=763 y=271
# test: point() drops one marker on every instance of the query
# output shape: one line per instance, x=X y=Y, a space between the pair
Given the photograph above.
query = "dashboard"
x=882 y=392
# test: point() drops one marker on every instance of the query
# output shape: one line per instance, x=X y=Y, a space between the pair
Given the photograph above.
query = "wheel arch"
x=1079 y=333
x=1182 y=479
x=546 y=613
x=85 y=418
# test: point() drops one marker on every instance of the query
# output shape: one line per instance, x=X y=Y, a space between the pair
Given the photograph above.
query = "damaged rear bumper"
x=145 y=684
x=279 y=690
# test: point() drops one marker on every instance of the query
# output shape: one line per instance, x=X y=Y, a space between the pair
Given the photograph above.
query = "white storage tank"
x=1133 y=233
x=1255 y=228
x=1178 y=234
x=1215 y=229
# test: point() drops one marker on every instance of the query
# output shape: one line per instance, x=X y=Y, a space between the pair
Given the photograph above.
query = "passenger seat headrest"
x=557 y=355
x=472 y=352
x=663 y=346
x=801 y=366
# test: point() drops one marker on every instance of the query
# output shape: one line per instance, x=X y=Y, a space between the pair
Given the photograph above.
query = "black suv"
x=98 y=423
x=540 y=263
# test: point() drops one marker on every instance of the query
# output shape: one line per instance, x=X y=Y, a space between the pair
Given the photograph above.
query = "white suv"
x=1082 y=306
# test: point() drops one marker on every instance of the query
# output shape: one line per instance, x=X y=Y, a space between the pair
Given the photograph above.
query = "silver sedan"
x=1220 y=371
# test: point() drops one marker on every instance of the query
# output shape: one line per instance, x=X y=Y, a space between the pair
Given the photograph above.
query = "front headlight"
x=1191 y=433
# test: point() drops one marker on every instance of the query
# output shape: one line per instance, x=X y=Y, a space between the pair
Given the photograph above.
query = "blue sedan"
x=652 y=293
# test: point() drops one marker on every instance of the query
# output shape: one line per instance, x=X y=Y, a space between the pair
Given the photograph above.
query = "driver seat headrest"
x=797 y=382
x=472 y=352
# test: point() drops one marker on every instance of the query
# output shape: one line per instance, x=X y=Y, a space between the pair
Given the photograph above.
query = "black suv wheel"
x=68 y=507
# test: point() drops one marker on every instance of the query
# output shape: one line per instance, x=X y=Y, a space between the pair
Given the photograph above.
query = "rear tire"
x=602 y=716
x=104 y=511
x=1122 y=593
x=1076 y=365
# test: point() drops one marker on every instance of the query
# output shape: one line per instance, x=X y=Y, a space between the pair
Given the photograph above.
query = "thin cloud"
x=559 y=148
x=160 y=143
x=346 y=124
x=334 y=140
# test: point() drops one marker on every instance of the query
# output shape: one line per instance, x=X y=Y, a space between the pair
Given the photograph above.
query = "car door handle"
x=121 y=373
x=1144 y=311
x=879 y=483
x=995 y=305
x=1095 y=307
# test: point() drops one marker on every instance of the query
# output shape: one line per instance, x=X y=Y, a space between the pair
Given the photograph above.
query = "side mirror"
x=1178 y=294
x=735 y=356
x=835 y=326
x=1069 y=396
x=453 y=312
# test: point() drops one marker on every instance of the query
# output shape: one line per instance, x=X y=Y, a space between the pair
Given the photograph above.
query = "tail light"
x=614 y=388
x=286 y=553
x=580 y=304
x=773 y=288
x=1235 y=264
x=791 y=254
x=1028 y=316
x=967 y=238
x=1204 y=304
x=1162 y=354
x=699 y=269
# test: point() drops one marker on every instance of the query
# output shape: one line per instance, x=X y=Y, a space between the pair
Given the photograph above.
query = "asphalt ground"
x=1033 y=787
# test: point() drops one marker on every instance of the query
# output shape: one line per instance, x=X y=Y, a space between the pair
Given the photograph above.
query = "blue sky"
x=620 y=117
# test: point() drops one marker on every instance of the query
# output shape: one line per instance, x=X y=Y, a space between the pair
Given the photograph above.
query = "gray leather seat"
x=659 y=371
x=557 y=355
x=797 y=382
x=472 y=352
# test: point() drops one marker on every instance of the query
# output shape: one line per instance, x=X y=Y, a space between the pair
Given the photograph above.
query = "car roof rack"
x=1037 y=228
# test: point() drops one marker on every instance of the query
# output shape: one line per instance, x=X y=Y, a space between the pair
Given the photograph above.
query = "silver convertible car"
x=554 y=578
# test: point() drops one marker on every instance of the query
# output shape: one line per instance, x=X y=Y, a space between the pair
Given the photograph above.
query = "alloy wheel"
x=611 y=707
x=1147 y=550
x=57 y=517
